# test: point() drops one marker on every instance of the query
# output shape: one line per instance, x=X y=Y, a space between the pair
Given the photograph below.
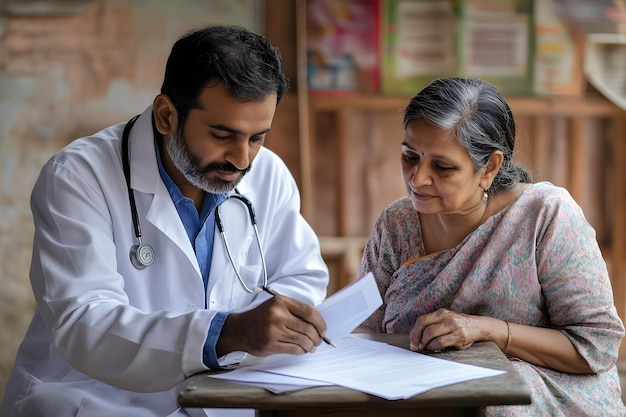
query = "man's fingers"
x=279 y=325
x=309 y=314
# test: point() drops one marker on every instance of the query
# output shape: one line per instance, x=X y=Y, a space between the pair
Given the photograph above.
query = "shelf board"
x=521 y=106
x=357 y=102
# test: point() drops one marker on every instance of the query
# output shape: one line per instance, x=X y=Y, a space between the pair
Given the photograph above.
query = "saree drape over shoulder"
x=536 y=262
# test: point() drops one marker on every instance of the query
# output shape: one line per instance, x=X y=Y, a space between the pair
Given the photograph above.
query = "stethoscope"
x=220 y=227
x=142 y=254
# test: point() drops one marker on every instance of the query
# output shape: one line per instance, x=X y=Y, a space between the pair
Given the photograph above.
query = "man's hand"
x=279 y=325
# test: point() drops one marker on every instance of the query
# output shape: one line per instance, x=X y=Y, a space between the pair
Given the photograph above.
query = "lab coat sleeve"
x=81 y=295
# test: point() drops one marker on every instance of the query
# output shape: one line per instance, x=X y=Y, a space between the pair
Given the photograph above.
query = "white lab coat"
x=110 y=340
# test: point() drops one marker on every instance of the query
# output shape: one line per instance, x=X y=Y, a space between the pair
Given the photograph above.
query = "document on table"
x=376 y=368
x=275 y=383
x=364 y=365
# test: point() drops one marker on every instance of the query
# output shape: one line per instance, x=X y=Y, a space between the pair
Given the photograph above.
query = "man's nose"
x=239 y=155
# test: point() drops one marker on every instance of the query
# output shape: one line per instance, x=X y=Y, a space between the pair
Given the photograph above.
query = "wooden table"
x=463 y=399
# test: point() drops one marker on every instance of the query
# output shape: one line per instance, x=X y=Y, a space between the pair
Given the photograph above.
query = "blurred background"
x=69 y=68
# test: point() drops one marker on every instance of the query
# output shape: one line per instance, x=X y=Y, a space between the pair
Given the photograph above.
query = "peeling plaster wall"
x=67 y=69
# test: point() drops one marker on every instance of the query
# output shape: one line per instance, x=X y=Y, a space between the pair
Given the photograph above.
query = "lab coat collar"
x=143 y=167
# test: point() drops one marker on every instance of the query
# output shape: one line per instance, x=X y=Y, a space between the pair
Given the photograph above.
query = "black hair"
x=247 y=63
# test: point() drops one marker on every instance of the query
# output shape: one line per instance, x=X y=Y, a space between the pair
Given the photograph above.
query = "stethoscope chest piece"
x=141 y=255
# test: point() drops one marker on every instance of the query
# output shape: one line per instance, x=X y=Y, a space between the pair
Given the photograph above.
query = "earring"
x=485 y=194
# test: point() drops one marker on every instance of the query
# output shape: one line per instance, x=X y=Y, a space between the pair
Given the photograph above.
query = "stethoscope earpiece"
x=141 y=255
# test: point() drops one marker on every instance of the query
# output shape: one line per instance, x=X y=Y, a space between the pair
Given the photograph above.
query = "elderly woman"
x=478 y=252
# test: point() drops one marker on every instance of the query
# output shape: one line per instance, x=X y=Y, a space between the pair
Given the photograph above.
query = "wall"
x=67 y=69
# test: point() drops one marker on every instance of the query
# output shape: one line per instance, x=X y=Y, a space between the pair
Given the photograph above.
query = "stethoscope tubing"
x=126 y=169
x=141 y=255
x=136 y=251
x=220 y=227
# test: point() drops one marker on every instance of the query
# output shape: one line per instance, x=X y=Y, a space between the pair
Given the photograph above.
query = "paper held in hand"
x=346 y=309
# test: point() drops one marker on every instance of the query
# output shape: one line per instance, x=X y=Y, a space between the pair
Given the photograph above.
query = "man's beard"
x=189 y=165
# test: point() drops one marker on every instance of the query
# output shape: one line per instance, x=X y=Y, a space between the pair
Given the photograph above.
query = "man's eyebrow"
x=237 y=131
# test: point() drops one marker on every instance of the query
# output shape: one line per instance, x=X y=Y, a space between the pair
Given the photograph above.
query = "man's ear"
x=165 y=115
x=491 y=169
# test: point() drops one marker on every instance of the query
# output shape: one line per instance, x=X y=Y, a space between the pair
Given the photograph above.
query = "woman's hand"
x=445 y=328
x=541 y=346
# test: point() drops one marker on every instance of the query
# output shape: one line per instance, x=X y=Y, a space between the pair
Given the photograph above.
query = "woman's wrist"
x=507 y=346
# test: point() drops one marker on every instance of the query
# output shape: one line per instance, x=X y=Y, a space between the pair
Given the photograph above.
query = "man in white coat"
x=135 y=287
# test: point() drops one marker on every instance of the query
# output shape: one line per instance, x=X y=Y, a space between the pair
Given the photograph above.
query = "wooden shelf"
x=548 y=106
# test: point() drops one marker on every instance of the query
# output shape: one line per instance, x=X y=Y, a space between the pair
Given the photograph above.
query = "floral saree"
x=536 y=262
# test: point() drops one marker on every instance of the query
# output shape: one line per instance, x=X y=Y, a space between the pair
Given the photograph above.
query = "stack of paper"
x=376 y=368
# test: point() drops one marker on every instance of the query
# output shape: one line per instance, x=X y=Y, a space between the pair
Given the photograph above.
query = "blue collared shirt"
x=200 y=228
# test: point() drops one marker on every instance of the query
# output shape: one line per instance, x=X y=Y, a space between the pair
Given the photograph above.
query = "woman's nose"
x=421 y=175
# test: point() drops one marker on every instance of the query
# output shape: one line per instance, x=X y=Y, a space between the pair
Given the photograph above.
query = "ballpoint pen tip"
x=329 y=342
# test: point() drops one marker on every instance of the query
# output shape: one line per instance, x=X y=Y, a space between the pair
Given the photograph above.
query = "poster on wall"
x=594 y=16
x=496 y=39
x=418 y=44
x=342 y=46
x=559 y=52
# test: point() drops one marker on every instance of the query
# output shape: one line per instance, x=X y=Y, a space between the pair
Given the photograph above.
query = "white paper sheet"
x=276 y=383
x=346 y=309
x=376 y=368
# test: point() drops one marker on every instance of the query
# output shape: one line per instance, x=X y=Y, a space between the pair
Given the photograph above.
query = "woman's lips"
x=421 y=197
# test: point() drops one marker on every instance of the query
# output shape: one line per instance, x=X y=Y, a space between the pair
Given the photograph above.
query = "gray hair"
x=479 y=118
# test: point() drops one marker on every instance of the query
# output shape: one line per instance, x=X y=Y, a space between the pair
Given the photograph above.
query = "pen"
x=324 y=338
